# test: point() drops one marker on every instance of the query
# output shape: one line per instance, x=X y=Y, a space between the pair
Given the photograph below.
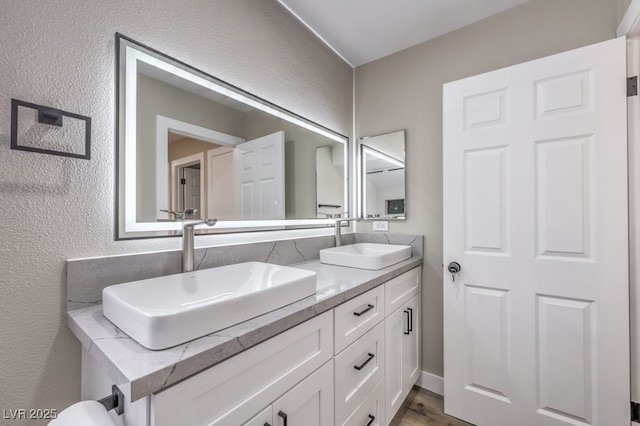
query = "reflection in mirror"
x=187 y=140
x=383 y=176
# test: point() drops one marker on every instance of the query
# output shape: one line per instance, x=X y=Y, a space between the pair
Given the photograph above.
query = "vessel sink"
x=365 y=255
x=167 y=311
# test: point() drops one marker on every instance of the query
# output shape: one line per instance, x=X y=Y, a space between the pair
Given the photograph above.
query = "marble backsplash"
x=87 y=277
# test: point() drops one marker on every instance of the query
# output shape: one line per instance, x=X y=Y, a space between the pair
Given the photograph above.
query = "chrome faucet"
x=338 y=224
x=188 y=233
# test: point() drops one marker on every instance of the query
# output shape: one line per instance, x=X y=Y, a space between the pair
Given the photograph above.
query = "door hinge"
x=183 y=181
x=632 y=86
x=635 y=412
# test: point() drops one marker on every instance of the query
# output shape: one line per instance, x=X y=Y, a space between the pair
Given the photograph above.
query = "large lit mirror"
x=382 y=177
x=187 y=140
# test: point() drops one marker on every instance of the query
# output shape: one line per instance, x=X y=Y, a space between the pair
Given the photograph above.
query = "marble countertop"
x=148 y=372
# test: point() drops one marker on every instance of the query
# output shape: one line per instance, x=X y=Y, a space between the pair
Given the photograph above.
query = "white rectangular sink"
x=167 y=311
x=365 y=255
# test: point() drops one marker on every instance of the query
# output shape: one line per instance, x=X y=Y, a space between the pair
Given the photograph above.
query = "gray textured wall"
x=404 y=91
x=61 y=53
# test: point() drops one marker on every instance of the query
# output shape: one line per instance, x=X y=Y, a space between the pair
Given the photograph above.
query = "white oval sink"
x=167 y=311
x=365 y=255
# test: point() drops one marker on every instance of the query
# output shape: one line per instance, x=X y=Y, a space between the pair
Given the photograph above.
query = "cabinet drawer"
x=358 y=370
x=265 y=417
x=357 y=316
x=371 y=411
x=235 y=390
x=402 y=288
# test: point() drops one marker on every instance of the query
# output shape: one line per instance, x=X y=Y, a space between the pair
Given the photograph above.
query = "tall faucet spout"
x=188 y=243
x=338 y=224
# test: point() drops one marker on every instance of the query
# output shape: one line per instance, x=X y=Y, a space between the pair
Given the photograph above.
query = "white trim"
x=310 y=28
x=431 y=382
x=183 y=162
x=191 y=130
x=630 y=23
x=633 y=135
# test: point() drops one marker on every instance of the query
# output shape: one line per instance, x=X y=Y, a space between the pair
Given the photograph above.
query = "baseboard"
x=432 y=383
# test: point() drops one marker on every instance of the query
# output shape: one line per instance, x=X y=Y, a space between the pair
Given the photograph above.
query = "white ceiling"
x=361 y=31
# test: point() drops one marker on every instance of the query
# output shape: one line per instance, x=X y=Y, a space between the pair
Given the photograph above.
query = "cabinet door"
x=411 y=345
x=395 y=326
x=309 y=403
x=264 y=418
x=402 y=340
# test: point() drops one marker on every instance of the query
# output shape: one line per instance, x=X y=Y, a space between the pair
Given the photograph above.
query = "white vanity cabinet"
x=377 y=358
x=352 y=365
x=402 y=334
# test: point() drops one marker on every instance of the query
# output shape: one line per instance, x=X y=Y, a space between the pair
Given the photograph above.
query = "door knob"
x=454 y=268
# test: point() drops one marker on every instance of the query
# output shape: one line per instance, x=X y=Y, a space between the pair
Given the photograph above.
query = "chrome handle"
x=364 y=311
x=361 y=366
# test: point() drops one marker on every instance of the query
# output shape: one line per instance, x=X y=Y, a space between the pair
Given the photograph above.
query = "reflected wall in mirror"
x=382 y=190
x=187 y=140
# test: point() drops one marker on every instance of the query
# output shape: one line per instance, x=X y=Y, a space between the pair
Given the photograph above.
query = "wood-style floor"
x=424 y=408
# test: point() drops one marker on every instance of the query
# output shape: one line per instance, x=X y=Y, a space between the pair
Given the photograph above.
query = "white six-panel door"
x=535 y=212
x=261 y=177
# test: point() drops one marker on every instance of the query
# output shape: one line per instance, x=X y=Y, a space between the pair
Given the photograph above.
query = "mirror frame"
x=362 y=173
x=126 y=225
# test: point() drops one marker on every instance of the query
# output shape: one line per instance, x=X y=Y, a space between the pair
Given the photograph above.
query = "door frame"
x=181 y=163
x=164 y=125
x=630 y=27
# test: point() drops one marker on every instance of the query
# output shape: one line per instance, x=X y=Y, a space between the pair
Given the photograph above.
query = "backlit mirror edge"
x=127 y=227
x=359 y=192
